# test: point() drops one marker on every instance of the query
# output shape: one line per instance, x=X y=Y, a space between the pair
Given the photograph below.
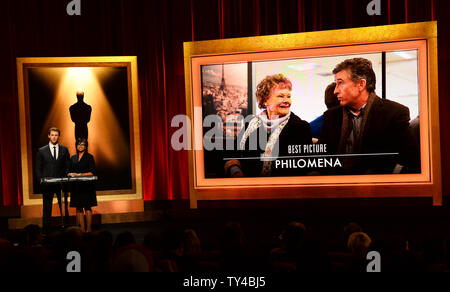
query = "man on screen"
x=371 y=133
x=52 y=160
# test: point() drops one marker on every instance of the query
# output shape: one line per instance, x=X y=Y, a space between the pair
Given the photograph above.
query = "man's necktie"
x=54 y=152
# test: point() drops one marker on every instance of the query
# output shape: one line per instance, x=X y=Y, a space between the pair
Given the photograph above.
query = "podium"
x=66 y=181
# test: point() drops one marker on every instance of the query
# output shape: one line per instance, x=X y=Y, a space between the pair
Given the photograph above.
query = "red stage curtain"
x=155 y=32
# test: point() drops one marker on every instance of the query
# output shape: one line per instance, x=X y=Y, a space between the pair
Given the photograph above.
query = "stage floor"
x=104 y=213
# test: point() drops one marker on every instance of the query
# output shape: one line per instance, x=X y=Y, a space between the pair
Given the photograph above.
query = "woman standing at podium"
x=82 y=195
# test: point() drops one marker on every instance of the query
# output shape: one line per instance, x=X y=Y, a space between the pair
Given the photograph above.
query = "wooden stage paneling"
x=104 y=213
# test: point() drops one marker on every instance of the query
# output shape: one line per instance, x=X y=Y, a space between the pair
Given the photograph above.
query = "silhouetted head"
x=233 y=235
x=331 y=99
x=34 y=233
x=358 y=244
x=350 y=228
x=294 y=235
x=191 y=242
x=123 y=239
x=132 y=258
x=172 y=242
x=80 y=95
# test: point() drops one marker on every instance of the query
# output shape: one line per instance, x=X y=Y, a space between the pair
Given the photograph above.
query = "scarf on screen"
x=274 y=128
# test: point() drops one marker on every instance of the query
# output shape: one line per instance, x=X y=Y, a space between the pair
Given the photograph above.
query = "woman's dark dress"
x=82 y=194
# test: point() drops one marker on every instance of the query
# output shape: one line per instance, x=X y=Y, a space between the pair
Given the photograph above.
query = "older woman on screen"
x=275 y=131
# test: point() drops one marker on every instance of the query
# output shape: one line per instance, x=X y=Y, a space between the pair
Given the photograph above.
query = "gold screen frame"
x=422 y=36
x=130 y=62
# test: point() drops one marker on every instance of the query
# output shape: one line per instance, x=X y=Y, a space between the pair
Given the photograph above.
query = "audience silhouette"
x=181 y=250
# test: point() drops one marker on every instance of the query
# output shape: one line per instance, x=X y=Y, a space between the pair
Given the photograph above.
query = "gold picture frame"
x=128 y=62
x=419 y=36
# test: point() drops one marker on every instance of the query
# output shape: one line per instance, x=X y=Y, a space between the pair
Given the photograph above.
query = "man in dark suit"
x=372 y=133
x=52 y=160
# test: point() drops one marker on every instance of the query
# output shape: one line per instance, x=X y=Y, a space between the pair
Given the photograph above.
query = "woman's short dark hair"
x=81 y=140
x=359 y=68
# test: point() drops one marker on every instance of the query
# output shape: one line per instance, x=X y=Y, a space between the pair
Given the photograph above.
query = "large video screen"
x=226 y=91
x=338 y=120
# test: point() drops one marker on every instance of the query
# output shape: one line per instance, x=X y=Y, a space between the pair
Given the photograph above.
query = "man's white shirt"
x=52 y=151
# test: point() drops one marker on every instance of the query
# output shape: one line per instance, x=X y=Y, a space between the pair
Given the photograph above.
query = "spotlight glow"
x=106 y=138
